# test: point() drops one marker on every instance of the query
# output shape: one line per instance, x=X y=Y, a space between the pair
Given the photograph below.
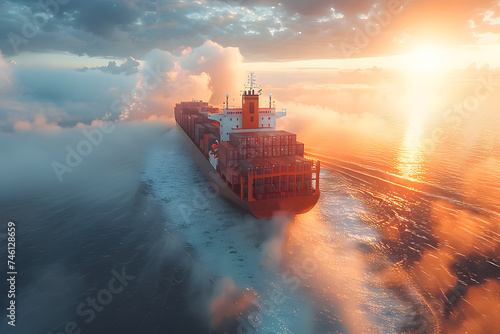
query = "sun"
x=428 y=59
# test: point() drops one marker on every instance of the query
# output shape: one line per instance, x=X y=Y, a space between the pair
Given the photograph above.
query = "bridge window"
x=251 y=119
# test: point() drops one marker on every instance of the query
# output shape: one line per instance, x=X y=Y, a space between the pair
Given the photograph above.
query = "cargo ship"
x=246 y=159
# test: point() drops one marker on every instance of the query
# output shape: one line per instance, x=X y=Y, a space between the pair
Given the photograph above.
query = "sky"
x=66 y=63
x=263 y=30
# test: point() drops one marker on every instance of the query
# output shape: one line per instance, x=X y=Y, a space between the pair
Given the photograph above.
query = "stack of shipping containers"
x=274 y=159
x=269 y=155
x=192 y=117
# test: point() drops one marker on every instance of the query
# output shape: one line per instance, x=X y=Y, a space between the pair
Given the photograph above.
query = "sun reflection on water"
x=410 y=162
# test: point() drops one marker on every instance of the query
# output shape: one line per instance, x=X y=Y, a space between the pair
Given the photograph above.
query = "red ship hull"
x=293 y=205
x=260 y=208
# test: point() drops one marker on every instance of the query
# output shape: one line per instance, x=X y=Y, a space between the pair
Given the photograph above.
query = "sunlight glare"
x=428 y=59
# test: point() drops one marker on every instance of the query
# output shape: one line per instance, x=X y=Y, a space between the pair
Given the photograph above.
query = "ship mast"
x=251 y=86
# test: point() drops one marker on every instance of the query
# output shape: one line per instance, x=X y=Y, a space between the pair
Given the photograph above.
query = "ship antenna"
x=270 y=98
x=252 y=86
x=227 y=101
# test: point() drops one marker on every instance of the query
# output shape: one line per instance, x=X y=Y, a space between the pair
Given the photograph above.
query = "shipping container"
x=274 y=163
x=233 y=176
x=307 y=181
x=213 y=129
x=276 y=151
x=222 y=168
x=205 y=144
x=284 y=182
x=298 y=182
x=260 y=139
x=199 y=131
x=259 y=165
x=306 y=163
x=230 y=150
x=291 y=182
x=300 y=149
x=267 y=152
x=245 y=167
x=238 y=140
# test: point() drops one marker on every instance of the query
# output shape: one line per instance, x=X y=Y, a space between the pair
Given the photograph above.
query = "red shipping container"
x=260 y=139
x=259 y=152
x=268 y=151
x=284 y=151
x=233 y=176
x=250 y=153
x=275 y=140
x=284 y=183
x=300 y=149
x=276 y=151
x=284 y=140
x=274 y=163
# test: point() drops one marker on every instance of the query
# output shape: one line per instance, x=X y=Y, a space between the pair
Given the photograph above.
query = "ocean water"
x=404 y=239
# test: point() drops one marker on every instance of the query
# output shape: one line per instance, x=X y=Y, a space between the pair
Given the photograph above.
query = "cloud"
x=229 y=302
x=40 y=123
x=128 y=67
x=265 y=29
x=477 y=312
x=120 y=27
x=262 y=29
x=205 y=73
x=5 y=75
x=312 y=8
x=40 y=98
x=63 y=96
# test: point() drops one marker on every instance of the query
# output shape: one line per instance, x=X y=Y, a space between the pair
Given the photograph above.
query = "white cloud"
x=39 y=123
